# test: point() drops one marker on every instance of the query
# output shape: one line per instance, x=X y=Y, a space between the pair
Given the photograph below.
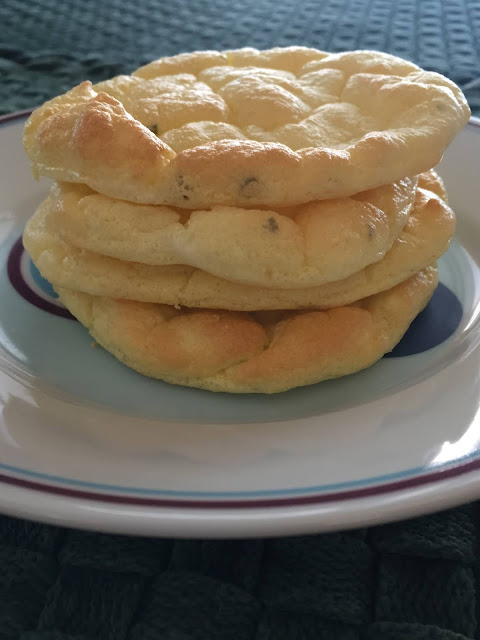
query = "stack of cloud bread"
x=246 y=221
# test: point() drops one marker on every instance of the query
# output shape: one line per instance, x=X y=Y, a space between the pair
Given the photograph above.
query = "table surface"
x=414 y=579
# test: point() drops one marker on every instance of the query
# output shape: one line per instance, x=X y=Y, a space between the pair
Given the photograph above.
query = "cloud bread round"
x=247 y=128
x=425 y=237
x=305 y=245
x=263 y=352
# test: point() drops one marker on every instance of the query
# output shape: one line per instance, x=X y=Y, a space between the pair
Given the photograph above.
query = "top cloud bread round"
x=247 y=127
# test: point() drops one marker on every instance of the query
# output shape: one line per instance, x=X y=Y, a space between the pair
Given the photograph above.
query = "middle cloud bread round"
x=296 y=247
x=425 y=237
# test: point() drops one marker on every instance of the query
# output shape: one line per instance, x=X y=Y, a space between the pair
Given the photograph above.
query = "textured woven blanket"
x=414 y=580
x=47 y=46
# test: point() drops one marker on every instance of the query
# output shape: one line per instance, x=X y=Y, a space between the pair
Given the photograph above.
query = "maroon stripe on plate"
x=339 y=496
x=21 y=287
x=16 y=115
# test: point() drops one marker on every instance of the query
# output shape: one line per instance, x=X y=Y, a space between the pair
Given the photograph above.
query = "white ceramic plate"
x=86 y=442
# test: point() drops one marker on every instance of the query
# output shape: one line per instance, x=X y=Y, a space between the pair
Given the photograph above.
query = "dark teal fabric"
x=418 y=579
x=48 y=45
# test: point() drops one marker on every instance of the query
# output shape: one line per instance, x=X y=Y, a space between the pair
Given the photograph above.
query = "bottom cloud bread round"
x=425 y=238
x=259 y=352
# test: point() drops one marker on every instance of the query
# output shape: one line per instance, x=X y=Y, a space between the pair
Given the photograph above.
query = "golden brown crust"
x=248 y=128
x=83 y=131
x=252 y=353
x=301 y=246
x=425 y=237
